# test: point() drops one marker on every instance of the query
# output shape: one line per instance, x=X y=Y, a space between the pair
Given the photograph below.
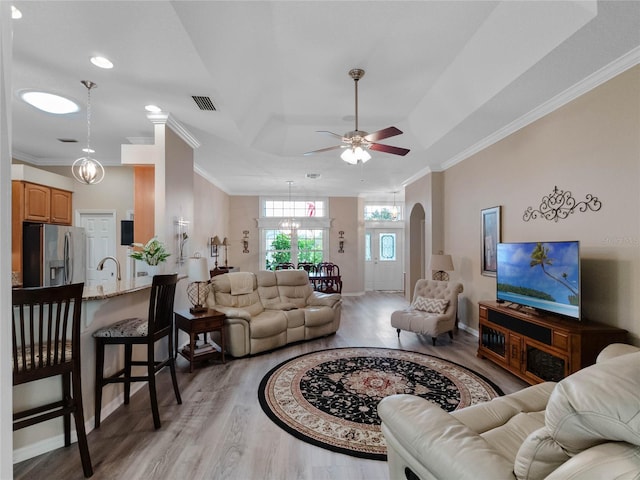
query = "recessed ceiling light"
x=152 y=108
x=15 y=13
x=49 y=102
x=101 y=62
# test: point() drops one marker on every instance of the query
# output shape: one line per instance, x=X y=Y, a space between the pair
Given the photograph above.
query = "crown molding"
x=419 y=174
x=606 y=73
x=207 y=176
x=170 y=121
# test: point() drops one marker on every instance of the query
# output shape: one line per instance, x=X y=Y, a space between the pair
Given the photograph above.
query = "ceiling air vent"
x=68 y=140
x=204 y=103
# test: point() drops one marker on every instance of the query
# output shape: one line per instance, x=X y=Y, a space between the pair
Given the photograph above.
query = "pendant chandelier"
x=394 y=209
x=289 y=224
x=86 y=169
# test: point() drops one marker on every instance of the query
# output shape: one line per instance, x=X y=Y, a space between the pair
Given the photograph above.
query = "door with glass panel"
x=383 y=259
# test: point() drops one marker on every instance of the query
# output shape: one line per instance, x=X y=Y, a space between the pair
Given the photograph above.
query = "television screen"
x=541 y=275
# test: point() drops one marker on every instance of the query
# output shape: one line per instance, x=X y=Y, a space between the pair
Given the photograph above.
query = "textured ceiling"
x=455 y=76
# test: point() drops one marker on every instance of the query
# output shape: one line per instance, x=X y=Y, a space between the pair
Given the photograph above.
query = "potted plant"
x=152 y=253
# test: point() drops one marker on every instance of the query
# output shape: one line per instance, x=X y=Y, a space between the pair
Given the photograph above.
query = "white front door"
x=100 y=228
x=384 y=259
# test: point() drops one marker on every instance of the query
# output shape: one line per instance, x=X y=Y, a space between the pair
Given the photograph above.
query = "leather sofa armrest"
x=608 y=460
x=436 y=440
x=615 y=350
x=318 y=299
x=233 y=312
x=486 y=416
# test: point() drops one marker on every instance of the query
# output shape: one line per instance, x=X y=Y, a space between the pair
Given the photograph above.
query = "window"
x=293 y=208
x=382 y=213
x=293 y=247
x=309 y=243
x=387 y=247
x=367 y=247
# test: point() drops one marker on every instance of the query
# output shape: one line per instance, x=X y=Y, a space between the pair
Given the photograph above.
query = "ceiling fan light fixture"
x=355 y=155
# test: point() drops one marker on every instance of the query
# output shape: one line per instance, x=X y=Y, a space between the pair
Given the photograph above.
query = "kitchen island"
x=103 y=305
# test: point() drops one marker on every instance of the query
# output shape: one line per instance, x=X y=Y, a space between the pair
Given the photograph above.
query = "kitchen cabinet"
x=61 y=207
x=43 y=204
x=32 y=202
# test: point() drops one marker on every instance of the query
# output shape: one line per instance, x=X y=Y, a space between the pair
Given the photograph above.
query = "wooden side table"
x=193 y=324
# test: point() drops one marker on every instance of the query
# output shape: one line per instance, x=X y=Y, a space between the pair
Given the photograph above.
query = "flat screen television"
x=541 y=275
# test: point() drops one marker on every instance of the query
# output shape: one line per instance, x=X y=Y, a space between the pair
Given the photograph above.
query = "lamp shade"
x=198 y=269
x=441 y=263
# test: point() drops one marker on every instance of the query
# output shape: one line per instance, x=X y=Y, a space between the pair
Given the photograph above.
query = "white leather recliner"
x=585 y=427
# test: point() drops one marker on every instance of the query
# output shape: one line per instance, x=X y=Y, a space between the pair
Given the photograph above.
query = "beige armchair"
x=433 y=310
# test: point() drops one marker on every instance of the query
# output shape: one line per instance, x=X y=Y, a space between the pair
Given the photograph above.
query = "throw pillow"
x=430 y=305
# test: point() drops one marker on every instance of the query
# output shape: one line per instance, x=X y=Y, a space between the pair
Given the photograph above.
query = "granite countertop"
x=115 y=288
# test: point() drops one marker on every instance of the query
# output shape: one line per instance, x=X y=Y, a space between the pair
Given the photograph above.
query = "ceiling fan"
x=357 y=142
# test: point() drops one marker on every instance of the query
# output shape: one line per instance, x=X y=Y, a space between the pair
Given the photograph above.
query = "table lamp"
x=198 y=289
x=441 y=264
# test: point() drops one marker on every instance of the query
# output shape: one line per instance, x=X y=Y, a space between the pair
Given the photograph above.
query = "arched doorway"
x=416 y=247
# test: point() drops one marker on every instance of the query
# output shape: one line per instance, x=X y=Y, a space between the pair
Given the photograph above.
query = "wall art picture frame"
x=491 y=233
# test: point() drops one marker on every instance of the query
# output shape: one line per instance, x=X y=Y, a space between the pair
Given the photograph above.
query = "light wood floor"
x=220 y=431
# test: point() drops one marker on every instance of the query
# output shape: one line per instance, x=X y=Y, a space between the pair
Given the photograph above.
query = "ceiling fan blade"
x=330 y=133
x=336 y=147
x=389 y=149
x=384 y=133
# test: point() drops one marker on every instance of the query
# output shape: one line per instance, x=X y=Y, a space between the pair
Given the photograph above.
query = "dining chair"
x=46 y=343
x=285 y=266
x=330 y=277
x=307 y=267
x=140 y=331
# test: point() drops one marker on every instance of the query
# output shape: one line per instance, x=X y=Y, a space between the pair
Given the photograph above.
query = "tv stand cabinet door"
x=515 y=352
x=542 y=364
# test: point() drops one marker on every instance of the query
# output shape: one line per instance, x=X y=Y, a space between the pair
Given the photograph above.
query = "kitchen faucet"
x=101 y=265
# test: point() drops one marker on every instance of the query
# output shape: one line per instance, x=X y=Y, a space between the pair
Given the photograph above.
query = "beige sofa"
x=269 y=309
x=585 y=427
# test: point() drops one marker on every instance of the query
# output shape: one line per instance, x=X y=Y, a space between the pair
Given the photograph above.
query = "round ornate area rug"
x=329 y=398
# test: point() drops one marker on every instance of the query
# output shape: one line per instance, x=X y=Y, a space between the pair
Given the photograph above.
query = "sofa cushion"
x=268 y=289
x=592 y=406
x=314 y=316
x=430 y=305
x=268 y=324
x=249 y=302
x=293 y=286
x=507 y=438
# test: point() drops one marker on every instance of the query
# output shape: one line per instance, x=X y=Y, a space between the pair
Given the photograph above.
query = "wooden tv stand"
x=538 y=347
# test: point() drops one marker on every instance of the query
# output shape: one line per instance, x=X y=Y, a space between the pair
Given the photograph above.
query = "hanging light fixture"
x=86 y=169
x=289 y=224
x=394 y=209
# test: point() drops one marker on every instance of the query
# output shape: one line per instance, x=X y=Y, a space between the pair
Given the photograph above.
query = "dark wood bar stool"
x=46 y=343
x=141 y=331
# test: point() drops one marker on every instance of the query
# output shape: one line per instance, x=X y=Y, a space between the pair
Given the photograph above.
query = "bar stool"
x=140 y=331
x=46 y=343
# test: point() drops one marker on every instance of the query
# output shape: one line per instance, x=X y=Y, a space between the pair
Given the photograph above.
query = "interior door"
x=100 y=228
x=384 y=259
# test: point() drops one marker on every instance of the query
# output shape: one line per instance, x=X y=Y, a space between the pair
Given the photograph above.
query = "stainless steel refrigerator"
x=52 y=254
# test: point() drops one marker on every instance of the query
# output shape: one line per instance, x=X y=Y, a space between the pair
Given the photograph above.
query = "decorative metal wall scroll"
x=560 y=204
